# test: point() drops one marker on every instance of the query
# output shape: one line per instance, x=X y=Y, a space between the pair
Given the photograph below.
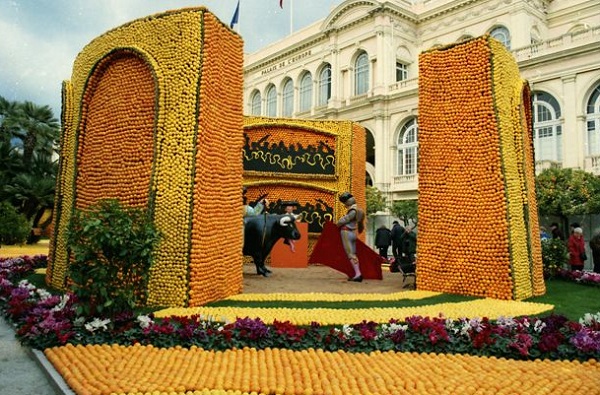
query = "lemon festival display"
x=307 y=161
x=478 y=223
x=146 y=121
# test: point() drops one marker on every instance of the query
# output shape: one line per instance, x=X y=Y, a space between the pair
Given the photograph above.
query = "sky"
x=40 y=39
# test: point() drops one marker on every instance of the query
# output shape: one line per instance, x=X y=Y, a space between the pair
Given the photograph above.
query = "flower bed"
x=43 y=320
x=580 y=276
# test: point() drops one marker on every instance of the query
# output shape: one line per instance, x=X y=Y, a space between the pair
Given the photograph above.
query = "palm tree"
x=28 y=141
x=37 y=128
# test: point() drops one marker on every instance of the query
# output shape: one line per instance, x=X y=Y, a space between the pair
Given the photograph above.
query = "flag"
x=281 y=3
x=236 y=16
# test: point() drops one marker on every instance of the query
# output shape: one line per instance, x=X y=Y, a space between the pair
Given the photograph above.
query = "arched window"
x=325 y=85
x=271 y=101
x=288 y=98
x=547 y=128
x=361 y=74
x=592 y=120
x=306 y=92
x=255 y=103
x=408 y=148
x=501 y=34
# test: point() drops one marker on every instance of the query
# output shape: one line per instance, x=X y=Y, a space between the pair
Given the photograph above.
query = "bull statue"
x=261 y=232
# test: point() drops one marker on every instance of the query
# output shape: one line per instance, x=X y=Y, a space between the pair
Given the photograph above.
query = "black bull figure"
x=262 y=232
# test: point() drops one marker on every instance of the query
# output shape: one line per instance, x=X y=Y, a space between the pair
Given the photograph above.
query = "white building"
x=361 y=64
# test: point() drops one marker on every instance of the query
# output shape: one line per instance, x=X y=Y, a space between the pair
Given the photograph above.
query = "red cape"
x=329 y=251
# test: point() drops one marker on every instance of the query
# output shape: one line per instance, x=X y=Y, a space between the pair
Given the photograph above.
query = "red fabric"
x=329 y=251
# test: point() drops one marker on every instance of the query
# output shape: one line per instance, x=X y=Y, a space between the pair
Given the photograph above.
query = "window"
x=271 y=101
x=288 y=98
x=593 y=122
x=361 y=74
x=401 y=71
x=408 y=149
x=255 y=103
x=547 y=128
x=306 y=92
x=501 y=34
x=325 y=85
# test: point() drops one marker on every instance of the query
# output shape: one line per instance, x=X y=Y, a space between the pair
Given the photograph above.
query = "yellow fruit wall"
x=146 y=120
x=478 y=223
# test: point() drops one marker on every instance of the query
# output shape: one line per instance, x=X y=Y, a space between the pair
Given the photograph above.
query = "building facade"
x=361 y=63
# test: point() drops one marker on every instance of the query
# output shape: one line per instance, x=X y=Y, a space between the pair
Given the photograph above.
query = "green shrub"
x=554 y=256
x=14 y=227
x=113 y=250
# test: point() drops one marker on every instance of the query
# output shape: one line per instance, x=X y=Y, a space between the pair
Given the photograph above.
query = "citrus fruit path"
x=104 y=369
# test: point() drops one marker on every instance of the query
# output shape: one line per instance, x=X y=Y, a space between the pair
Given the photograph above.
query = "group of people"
x=576 y=245
x=402 y=240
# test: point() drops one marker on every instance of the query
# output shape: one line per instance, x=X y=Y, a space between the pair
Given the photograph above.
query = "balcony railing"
x=408 y=182
x=541 y=165
x=592 y=164
x=565 y=41
x=405 y=84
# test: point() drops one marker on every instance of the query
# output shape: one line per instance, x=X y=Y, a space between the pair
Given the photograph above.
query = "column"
x=572 y=139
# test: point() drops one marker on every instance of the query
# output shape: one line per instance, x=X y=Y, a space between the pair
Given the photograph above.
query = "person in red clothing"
x=576 y=247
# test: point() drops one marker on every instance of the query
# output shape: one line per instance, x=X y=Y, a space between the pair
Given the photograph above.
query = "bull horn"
x=285 y=220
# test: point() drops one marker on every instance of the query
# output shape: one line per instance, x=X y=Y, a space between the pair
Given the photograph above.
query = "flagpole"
x=291 y=16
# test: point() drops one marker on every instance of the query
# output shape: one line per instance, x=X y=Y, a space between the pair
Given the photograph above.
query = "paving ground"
x=20 y=374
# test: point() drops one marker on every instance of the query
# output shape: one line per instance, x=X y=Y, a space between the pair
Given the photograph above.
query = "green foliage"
x=375 y=200
x=567 y=192
x=113 y=249
x=28 y=139
x=406 y=210
x=554 y=256
x=14 y=227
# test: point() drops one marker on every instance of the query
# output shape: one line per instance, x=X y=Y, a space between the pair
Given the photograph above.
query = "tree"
x=566 y=192
x=375 y=200
x=37 y=128
x=28 y=139
x=406 y=210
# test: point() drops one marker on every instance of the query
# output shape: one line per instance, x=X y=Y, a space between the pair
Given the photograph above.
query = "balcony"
x=561 y=43
x=409 y=182
x=541 y=165
x=400 y=86
x=592 y=164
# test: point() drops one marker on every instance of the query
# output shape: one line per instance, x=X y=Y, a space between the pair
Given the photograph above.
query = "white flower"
x=97 y=324
x=388 y=329
x=43 y=294
x=144 y=321
x=588 y=319
x=63 y=302
x=506 y=322
x=347 y=329
x=538 y=326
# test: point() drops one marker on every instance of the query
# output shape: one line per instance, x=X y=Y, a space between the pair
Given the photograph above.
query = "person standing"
x=258 y=208
x=555 y=230
x=595 y=247
x=288 y=208
x=410 y=243
x=576 y=247
x=383 y=240
x=397 y=238
x=349 y=225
